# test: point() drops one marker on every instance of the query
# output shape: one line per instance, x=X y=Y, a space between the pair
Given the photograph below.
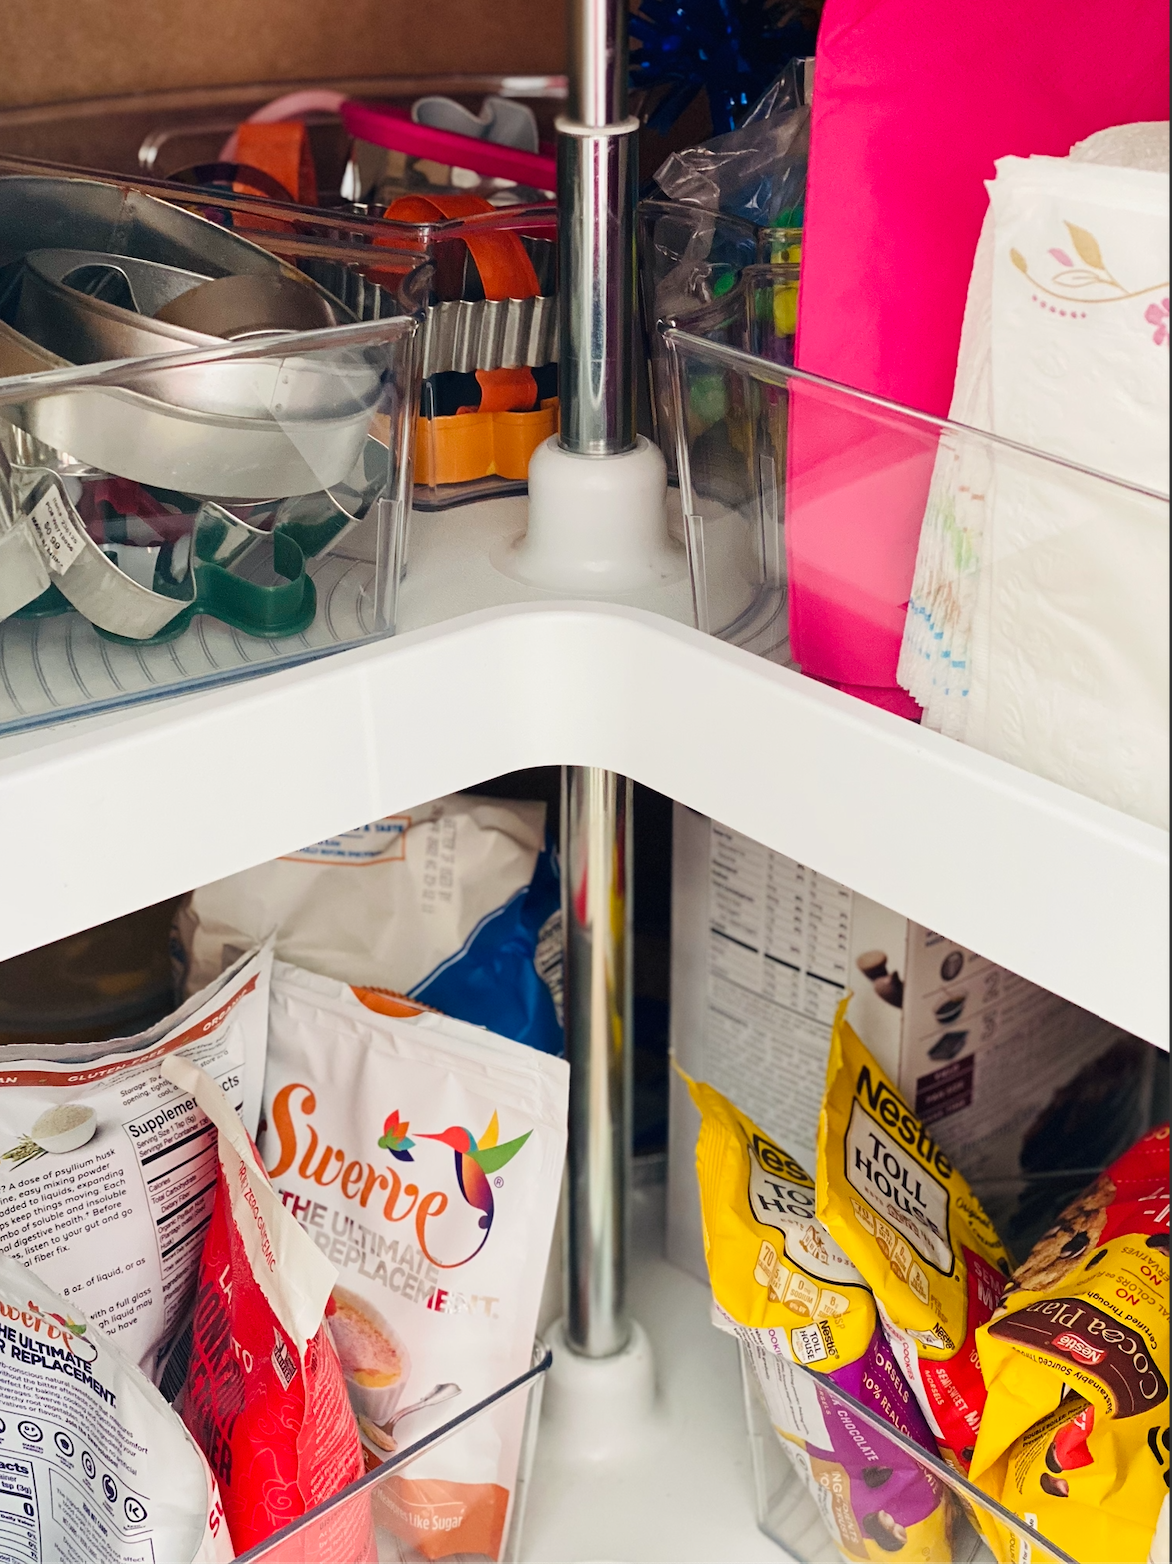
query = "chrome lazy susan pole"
x=598 y=493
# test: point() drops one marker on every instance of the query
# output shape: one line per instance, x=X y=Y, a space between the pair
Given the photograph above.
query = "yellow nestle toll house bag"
x=793 y=1295
x=1075 y=1433
x=906 y=1217
x=769 y=1261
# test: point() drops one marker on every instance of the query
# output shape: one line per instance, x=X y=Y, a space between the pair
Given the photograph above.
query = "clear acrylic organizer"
x=794 y=1506
x=178 y=521
x=1039 y=594
x=368 y=261
x=688 y=257
x=793 y=1497
x=377 y=1518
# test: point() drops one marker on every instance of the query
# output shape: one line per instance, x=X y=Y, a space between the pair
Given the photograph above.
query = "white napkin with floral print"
x=1039 y=617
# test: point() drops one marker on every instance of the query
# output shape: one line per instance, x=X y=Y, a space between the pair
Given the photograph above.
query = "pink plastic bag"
x=913 y=102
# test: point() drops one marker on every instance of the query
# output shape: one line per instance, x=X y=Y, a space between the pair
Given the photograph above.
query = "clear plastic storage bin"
x=688 y=257
x=204 y=458
x=175 y=522
x=368 y=261
x=1038 y=620
x=793 y=1507
x=379 y=1517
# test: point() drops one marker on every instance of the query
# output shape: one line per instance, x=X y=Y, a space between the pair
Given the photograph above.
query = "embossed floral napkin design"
x=1038 y=624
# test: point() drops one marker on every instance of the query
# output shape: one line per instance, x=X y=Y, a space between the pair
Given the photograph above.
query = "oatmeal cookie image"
x=1068 y=1242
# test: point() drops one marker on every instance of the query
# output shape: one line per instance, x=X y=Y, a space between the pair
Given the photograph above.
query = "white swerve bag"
x=424 y=1157
x=95 y=1464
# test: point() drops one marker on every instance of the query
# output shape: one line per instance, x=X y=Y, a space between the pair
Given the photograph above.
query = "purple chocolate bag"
x=783 y=1286
x=877 y=1501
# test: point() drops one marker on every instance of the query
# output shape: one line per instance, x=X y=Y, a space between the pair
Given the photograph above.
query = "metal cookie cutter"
x=318 y=523
x=254 y=428
x=89 y=307
x=124 y=555
x=252 y=579
x=131 y=592
x=465 y=335
x=499 y=338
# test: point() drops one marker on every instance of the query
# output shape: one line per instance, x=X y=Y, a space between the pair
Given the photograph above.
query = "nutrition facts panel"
x=60 y=1495
x=20 y=1536
x=176 y=1149
x=777 y=928
x=779 y=942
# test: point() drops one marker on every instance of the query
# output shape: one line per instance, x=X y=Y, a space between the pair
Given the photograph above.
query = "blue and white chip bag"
x=455 y=903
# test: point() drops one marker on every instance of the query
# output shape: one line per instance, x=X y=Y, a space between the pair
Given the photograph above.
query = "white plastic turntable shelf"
x=113 y=812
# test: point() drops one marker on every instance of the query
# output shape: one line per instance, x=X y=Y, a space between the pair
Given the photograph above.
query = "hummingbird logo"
x=476 y=1158
x=67 y=1322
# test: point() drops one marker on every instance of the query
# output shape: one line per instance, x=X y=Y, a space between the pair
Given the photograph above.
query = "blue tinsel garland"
x=732 y=49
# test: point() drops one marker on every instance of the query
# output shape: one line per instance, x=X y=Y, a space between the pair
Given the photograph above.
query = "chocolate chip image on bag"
x=1075 y=1432
x=909 y=1221
x=786 y=1290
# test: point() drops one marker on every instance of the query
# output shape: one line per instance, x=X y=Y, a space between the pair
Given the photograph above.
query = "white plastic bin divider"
x=363 y=1521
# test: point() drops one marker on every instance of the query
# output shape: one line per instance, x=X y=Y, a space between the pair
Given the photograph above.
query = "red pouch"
x=264 y=1397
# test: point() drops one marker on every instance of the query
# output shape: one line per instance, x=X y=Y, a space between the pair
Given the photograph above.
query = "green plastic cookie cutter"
x=255 y=579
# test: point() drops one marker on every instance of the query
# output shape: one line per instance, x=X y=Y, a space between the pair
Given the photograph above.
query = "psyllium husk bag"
x=94 y=1464
x=789 y=1293
x=1075 y=1434
x=108 y=1170
x=264 y=1395
x=911 y=1224
x=456 y=903
x=423 y=1156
